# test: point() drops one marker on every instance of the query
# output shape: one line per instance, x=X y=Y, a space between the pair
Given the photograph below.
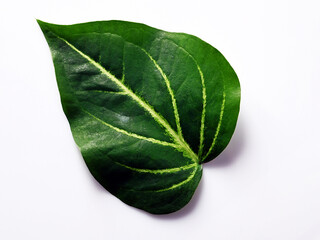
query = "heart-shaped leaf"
x=146 y=107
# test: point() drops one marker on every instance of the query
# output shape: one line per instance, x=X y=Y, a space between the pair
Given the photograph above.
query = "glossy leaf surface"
x=146 y=107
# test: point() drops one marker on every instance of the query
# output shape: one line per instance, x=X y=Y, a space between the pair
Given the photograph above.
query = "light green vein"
x=203 y=115
x=156 y=116
x=218 y=127
x=156 y=141
x=159 y=171
x=204 y=98
x=173 y=99
x=191 y=176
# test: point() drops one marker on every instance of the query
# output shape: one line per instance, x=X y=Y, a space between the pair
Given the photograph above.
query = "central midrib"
x=179 y=140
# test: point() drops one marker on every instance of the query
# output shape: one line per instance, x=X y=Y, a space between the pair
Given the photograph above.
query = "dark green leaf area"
x=225 y=108
x=146 y=107
x=97 y=140
x=140 y=179
x=166 y=201
x=78 y=73
x=222 y=93
x=120 y=112
x=100 y=97
x=185 y=80
x=145 y=79
x=104 y=48
x=142 y=189
x=131 y=168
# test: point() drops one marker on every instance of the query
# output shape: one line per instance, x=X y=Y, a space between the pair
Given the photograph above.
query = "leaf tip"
x=39 y=21
x=42 y=24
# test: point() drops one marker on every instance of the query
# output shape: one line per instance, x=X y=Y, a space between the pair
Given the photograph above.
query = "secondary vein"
x=159 y=171
x=191 y=176
x=153 y=140
x=173 y=99
x=204 y=98
x=203 y=115
x=218 y=127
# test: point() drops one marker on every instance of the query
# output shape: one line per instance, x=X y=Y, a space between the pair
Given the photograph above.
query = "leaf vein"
x=167 y=82
x=218 y=127
x=134 y=135
x=179 y=184
x=204 y=97
x=159 y=171
x=190 y=177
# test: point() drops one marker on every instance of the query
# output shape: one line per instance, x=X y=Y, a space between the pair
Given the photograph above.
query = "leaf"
x=146 y=107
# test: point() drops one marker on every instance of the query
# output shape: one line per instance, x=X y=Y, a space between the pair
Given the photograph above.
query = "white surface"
x=266 y=185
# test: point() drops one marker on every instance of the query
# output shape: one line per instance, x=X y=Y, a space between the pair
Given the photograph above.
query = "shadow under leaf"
x=232 y=151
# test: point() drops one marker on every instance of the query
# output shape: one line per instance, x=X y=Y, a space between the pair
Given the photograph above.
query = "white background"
x=265 y=185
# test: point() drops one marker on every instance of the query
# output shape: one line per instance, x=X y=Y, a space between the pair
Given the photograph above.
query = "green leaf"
x=146 y=107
